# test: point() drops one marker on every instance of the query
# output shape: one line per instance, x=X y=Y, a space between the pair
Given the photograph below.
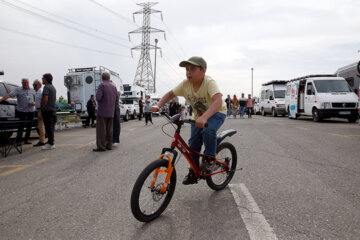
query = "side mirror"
x=271 y=97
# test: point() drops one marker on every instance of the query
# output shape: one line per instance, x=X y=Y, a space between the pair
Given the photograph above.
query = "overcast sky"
x=280 y=39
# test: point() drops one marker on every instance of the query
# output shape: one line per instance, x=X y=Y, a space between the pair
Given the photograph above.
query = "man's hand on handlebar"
x=200 y=122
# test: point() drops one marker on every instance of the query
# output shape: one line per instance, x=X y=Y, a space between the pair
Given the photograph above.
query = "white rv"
x=321 y=96
x=272 y=98
x=81 y=83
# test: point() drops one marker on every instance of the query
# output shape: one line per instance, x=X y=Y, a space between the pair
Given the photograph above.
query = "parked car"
x=273 y=98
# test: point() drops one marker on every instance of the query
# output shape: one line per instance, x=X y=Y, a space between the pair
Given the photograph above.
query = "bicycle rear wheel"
x=226 y=154
x=147 y=203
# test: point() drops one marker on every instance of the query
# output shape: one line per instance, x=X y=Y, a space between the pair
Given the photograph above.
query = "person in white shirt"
x=38 y=98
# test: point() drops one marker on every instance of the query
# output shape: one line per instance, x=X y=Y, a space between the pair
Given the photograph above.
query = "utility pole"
x=144 y=76
x=156 y=41
x=252 y=82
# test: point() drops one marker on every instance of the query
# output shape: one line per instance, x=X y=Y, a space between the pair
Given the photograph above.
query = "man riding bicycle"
x=203 y=94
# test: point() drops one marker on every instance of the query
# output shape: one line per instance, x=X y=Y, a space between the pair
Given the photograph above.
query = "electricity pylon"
x=144 y=75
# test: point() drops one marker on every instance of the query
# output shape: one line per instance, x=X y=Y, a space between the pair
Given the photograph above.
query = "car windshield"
x=279 y=93
x=328 y=86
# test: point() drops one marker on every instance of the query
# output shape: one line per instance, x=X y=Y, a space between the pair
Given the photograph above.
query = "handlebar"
x=176 y=118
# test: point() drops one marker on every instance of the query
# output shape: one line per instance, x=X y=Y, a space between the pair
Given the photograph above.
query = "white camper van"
x=321 y=96
x=272 y=98
x=81 y=83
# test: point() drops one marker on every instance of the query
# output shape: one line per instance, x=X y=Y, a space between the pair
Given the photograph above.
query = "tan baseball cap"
x=197 y=61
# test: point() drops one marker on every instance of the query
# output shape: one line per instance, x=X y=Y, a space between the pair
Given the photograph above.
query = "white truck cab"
x=321 y=96
x=272 y=98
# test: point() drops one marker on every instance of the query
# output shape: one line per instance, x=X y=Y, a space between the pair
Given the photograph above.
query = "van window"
x=2 y=90
x=288 y=90
x=310 y=89
x=267 y=94
x=279 y=93
x=262 y=95
x=327 y=86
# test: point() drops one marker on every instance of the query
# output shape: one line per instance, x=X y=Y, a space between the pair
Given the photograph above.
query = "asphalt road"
x=300 y=180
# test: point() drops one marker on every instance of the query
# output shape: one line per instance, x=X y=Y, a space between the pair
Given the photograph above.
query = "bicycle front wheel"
x=227 y=155
x=148 y=200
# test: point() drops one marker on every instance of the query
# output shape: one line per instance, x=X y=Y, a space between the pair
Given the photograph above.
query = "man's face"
x=25 y=83
x=92 y=98
x=194 y=74
x=36 y=86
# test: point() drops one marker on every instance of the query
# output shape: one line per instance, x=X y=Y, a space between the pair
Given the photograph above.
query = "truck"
x=321 y=96
x=81 y=83
x=351 y=73
x=130 y=99
x=272 y=99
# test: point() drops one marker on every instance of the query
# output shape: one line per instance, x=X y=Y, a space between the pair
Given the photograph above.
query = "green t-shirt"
x=202 y=99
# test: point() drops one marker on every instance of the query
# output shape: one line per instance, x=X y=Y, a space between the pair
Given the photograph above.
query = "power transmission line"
x=60 y=23
x=178 y=43
x=61 y=43
x=71 y=21
x=114 y=13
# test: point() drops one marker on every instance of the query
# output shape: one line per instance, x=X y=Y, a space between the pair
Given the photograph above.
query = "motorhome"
x=351 y=73
x=321 y=96
x=272 y=98
x=81 y=83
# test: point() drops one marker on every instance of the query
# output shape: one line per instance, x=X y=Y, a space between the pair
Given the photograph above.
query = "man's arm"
x=99 y=93
x=44 y=101
x=5 y=97
x=214 y=107
x=167 y=97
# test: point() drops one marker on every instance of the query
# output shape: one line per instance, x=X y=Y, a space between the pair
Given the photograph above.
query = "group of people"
x=237 y=106
x=31 y=101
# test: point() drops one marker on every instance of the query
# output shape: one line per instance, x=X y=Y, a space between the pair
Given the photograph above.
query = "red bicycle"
x=155 y=185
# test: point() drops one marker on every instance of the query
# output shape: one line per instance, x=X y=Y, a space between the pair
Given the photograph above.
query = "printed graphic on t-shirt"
x=199 y=103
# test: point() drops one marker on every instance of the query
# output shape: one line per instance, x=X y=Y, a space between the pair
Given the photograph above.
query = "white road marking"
x=251 y=214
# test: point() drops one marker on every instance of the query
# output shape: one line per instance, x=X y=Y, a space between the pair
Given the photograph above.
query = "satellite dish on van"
x=68 y=81
x=89 y=79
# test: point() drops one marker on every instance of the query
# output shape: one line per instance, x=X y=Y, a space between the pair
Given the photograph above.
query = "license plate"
x=345 y=113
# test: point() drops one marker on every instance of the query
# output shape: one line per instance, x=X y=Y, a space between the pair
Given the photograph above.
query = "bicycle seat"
x=224 y=134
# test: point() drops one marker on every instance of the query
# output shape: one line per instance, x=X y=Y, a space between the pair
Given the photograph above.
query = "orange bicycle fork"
x=167 y=171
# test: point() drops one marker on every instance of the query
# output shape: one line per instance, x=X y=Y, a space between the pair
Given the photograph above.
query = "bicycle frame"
x=179 y=143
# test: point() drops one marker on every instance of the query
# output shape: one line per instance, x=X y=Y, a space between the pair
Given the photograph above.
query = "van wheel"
x=273 y=112
x=315 y=115
x=263 y=112
x=352 y=119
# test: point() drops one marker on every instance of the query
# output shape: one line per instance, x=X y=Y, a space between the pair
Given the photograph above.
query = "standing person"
x=106 y=96
x=91 y=106
x=202 y=92
x=147 y=109
x=24 y=110
x=38 y=97
x=235 y=105
x=183 y=112
x=242 y=103
x=173 y=107
x=228 y=105
x=116 y=123
x=48 y=110
x=249 y=105
x=141 y=108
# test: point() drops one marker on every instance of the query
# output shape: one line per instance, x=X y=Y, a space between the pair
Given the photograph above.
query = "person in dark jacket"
x=91 y=105
x=141 y=108
x=173 y=107
x=106 y=97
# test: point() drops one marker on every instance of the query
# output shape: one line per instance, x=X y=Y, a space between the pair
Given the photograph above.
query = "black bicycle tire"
x=231 y=173
x=134 y=202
